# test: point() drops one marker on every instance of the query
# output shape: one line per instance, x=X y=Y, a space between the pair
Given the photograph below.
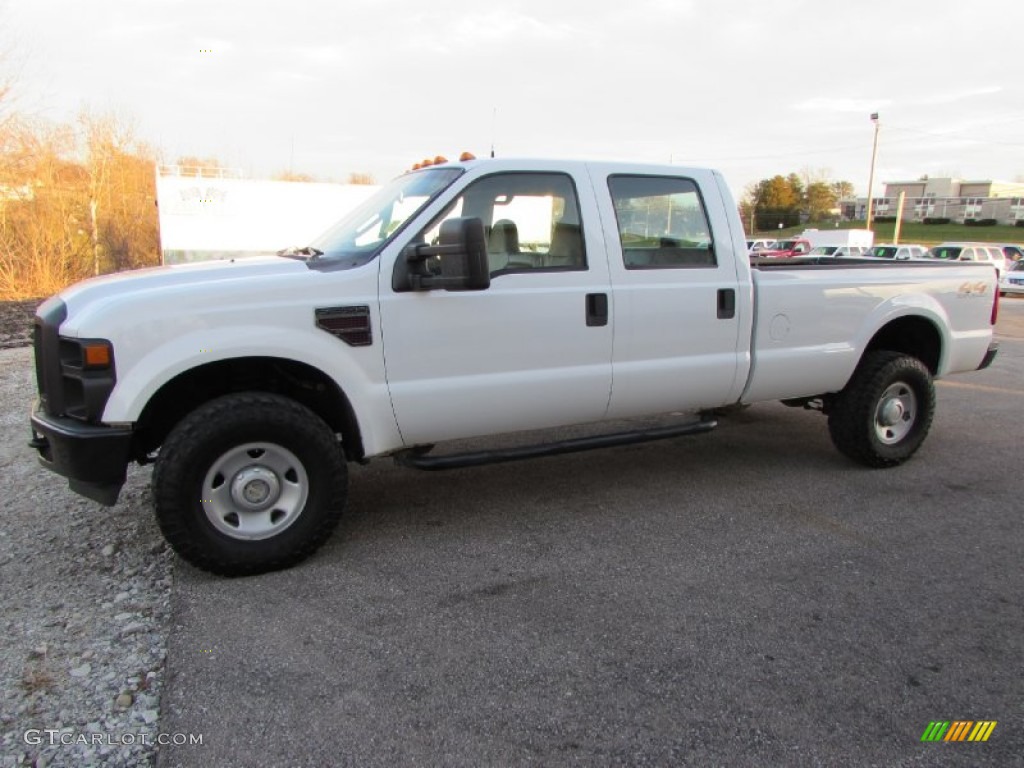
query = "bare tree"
x=292 y=176
x=44 y=244
x=122 y=193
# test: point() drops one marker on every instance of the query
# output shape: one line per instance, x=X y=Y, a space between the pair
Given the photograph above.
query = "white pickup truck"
x=469 y=299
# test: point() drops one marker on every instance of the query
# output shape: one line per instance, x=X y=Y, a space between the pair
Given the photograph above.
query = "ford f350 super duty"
x=470 y=299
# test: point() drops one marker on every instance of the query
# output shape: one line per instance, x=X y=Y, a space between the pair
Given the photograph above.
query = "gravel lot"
x=85 y=596
x=16 y=322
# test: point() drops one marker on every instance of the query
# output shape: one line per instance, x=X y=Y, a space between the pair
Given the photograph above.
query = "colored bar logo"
x=958 y=730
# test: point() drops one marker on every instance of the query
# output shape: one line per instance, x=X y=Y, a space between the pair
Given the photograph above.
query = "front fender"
x=358 y=371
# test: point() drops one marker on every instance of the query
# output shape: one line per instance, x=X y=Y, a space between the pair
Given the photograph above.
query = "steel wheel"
x=883 y=414
x=896 y=413
x=249 y=482
x=255 y=491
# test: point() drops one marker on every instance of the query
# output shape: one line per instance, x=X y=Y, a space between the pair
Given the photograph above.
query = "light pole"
x=871 y=176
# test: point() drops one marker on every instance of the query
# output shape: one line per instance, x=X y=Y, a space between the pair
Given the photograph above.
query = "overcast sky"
x=753 y=87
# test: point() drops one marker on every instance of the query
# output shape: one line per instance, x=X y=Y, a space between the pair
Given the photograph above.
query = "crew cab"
x=470 y=299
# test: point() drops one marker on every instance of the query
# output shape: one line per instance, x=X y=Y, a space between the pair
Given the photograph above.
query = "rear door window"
x=662 y=223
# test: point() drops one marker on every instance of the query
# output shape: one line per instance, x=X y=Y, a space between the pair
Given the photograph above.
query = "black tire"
x=885 y=411
x=249 y=483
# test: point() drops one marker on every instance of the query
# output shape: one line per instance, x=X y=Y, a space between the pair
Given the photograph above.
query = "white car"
x=759 y=245
x=837 y=251
x=898 y=252
x=988 y=252
x=1012 y=280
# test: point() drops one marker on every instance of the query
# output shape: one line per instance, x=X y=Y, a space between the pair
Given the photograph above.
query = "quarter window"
x=662 y=223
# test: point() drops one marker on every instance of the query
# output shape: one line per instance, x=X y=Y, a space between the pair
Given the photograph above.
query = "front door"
x=534 y=349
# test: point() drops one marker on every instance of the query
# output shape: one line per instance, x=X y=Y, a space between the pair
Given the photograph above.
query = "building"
x=208 y=214
x=945 y=198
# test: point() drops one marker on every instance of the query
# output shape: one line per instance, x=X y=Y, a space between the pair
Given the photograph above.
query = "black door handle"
x=726 y=303
x=597 y=309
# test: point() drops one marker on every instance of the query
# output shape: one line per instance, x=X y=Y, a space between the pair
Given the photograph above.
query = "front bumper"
x=94 y=458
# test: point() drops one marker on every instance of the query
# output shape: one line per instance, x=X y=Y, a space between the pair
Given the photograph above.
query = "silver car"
x=984 y=252
x=1012 y=280
x=901 y=252
x=837 y=251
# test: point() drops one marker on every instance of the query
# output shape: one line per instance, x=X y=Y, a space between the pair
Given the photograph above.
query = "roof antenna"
x=494 y=120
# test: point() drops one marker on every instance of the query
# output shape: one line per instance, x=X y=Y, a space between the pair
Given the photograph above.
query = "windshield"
x=945 y=252
x=824 y=250
x=365 y=229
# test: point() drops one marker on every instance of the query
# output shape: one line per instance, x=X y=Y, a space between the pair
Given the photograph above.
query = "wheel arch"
x=914 y=335
x=300 y=381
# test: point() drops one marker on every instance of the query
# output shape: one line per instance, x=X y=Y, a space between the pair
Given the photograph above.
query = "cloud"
x=827 y=104
x=505 y=25
x=948 y=98
x=212 y=45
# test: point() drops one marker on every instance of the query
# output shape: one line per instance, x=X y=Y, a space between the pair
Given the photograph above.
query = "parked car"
x=756 y=245
x=837 y=251
x=1011 y=252
x=971 y=252
x=900 y=252
x=784 y=249
x=1012 y=280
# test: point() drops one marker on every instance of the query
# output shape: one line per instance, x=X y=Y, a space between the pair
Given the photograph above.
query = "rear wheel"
x=885 y=411
x=249 y=482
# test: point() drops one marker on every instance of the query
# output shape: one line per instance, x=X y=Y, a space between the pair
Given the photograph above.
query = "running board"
x=419 y=458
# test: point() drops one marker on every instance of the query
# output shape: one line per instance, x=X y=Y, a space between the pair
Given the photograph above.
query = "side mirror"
x=457 y=263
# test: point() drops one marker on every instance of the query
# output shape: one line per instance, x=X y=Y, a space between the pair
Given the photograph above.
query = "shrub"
x=936 y=220
x=1019 y=223
x=980 y=222
x=885 y=219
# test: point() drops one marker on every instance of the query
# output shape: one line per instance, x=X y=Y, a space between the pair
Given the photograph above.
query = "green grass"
x=926 y=234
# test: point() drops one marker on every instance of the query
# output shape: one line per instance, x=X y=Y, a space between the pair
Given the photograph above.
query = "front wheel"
x=885 y=411
x=248 y=483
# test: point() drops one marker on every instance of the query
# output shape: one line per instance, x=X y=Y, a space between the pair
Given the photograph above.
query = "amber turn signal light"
x=96 y=355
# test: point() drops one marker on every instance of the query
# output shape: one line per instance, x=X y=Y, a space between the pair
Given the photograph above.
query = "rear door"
x=531 y=351
x=681 y=324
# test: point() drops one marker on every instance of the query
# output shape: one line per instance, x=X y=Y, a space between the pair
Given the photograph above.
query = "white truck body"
x=856 y=238
x=633 y=321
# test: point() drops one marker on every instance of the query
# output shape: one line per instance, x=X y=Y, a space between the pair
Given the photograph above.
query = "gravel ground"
x=84 y=592
x=16 y=322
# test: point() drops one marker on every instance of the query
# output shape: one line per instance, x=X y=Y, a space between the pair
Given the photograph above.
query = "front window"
x=883 y=252
x=365 y=230
x=531 y=221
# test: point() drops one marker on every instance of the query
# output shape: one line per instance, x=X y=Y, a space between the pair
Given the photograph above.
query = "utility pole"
x=899 y=218
x=871 y=176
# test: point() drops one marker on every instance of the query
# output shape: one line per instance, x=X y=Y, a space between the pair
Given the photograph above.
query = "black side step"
x=419 y=458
